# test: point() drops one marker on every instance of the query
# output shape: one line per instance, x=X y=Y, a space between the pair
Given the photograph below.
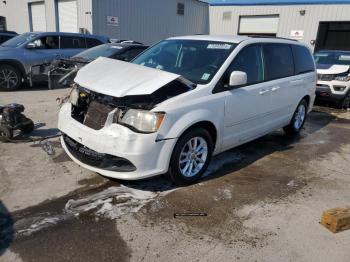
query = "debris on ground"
x=336 y=219
x=47 y=146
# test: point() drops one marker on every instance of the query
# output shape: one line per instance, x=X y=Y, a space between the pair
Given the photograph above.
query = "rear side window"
x=278 y=61
x=72 y=42
x=302 y=59
x=92 y=42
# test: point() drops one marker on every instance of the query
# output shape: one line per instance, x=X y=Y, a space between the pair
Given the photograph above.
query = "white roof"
x=219 y=38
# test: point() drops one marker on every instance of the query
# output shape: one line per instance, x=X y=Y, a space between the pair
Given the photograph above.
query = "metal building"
x=322 y=24
x=142 y=20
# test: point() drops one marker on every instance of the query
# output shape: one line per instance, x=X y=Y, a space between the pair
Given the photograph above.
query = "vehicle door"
x=247 y=108
x=40 y=52
x=279 y=64
x=71 y=45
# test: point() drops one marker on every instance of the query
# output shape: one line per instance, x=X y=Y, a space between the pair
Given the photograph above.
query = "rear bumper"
x=115 y=151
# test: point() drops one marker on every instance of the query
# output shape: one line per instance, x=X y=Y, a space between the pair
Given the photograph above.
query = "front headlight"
x=140 y=120
x=342 y=78
x=74 y=96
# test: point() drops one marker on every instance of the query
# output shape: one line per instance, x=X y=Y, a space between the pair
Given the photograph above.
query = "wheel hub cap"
x=299 y=117
x=8 y=78
x=193 y=156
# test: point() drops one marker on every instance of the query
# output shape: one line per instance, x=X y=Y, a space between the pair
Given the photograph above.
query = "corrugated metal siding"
x=149 y=21
x=17 y=14
x=290 y=18
x=84 y=15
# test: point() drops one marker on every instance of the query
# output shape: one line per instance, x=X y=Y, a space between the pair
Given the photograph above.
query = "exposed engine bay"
x=92 y=109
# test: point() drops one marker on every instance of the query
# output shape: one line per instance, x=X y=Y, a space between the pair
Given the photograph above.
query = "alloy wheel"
x=8 y=78
x=193 y=156
x=299 y=117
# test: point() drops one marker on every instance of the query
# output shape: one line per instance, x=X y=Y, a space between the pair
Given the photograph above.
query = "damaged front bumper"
x=115 y=150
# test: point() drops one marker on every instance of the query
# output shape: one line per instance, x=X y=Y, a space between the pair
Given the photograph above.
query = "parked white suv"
x=333 y=70
x=184 y=100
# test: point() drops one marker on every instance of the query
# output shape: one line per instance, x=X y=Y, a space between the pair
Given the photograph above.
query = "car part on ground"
x=11 y=119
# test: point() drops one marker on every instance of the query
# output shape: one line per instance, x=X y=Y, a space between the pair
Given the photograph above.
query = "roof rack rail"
x=275 y=37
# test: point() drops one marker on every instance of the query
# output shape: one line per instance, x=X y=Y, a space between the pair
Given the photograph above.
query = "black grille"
x=96 y=159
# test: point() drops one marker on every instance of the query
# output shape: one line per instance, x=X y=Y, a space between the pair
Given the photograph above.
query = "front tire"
x=345 y=102
x=10 y=78
x=191 y=156
x=298 y=119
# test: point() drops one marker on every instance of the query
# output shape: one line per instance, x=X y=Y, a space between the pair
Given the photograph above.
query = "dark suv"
x=19 y=54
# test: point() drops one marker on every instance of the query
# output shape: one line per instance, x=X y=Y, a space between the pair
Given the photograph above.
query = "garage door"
x=333 y=35
x=261 y=25
x=68 y=16
x=38 y=19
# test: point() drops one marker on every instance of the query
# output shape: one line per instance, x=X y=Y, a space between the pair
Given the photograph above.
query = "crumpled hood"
x=117 y=78
x=332 y=69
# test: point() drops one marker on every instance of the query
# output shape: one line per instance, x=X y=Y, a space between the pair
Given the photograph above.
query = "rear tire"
x=298 y=119
x=5 y=134
x=191 y=156
x=10 y=78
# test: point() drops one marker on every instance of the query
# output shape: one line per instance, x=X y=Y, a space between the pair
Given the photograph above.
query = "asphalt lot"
x=263 y=200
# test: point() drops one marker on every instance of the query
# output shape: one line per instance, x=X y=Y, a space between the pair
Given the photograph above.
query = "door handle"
x=275 y=88
x=263 y=91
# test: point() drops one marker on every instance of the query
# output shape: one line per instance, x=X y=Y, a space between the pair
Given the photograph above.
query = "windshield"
x=19 y=40
x=195 y=60
x=332 y=58
x=105 y=50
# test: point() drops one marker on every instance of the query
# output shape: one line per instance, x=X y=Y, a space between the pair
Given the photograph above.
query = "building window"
x=226 y=15
x=180 y=8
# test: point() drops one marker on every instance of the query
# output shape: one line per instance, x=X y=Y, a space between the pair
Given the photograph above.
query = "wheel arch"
x=307 y=98
x=18 y=65
x=207 y=125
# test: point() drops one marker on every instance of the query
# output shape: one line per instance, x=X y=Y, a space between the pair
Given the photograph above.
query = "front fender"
x=177 y=124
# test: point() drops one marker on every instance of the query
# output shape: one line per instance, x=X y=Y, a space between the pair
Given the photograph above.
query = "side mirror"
x=238 y=78
x=31 y=45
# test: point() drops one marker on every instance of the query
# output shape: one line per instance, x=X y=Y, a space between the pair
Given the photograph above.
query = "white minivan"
x=184 y=100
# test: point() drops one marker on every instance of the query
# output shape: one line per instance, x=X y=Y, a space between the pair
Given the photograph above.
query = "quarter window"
x=278 y=61
x=302 y=59
x=72 y=42
x=249 y=60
